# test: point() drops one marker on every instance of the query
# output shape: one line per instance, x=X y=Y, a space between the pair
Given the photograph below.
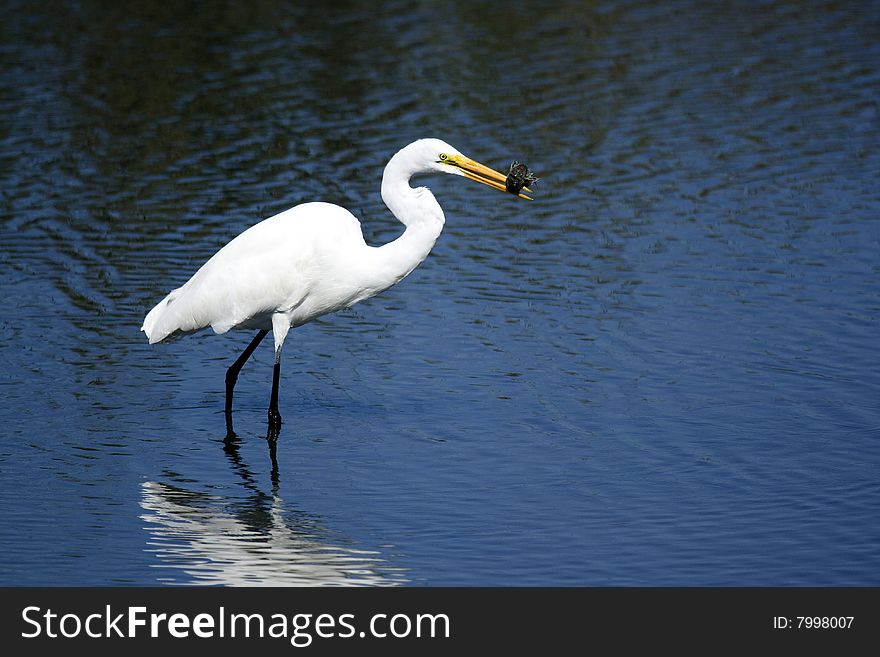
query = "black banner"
x=436 y=620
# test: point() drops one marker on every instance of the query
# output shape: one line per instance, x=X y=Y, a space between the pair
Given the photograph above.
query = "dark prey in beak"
x=518 y=177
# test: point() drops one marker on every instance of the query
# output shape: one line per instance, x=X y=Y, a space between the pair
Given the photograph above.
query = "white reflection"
x=204 y=539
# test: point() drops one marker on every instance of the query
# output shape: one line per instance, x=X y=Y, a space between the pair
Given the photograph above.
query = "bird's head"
x=436 y=155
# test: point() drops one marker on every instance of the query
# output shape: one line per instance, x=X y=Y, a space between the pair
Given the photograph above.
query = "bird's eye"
x=443 y=157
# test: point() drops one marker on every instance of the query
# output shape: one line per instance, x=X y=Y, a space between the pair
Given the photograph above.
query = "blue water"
x=662 y=371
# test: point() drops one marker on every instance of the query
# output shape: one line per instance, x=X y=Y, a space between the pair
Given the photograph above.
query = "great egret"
x=311 y=260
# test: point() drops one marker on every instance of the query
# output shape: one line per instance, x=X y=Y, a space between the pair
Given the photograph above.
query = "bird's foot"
x=230 y=432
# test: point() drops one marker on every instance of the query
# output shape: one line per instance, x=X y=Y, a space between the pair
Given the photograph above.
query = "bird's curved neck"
x=419 y=211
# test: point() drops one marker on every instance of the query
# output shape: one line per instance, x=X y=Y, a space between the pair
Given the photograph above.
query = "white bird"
x=312 y=260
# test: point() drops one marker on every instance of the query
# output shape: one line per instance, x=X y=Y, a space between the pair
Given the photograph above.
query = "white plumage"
x=280 y=265
x=311 y=260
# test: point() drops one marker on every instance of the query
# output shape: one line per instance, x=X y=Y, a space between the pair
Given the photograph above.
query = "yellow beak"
x=482 y=174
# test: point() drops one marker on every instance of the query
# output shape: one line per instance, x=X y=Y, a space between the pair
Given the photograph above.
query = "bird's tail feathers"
x=156 y=324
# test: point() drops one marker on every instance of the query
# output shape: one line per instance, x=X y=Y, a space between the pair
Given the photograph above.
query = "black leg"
x=232 y=377
x=274 y=415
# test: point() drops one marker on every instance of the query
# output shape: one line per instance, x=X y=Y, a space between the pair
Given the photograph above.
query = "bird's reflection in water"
x=255 y=540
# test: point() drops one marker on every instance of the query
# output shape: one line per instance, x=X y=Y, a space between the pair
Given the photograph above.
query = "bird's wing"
x=269 y=268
